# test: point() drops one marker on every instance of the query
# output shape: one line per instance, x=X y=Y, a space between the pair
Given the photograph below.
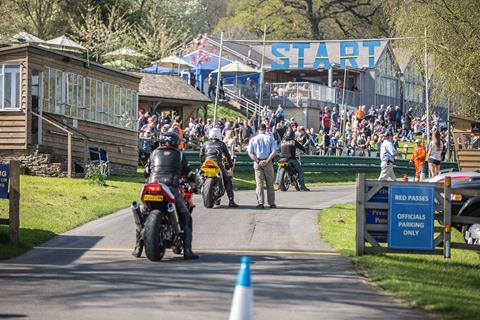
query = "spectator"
x=280 y=113
x=387 y=154
x=211 y=86
x=191 y=78
x=326 y=121
x=262 y=149
x=435 y=154
x=231 y=143
x=418 y=158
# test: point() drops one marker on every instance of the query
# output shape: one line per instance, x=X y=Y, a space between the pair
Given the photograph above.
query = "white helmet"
x=215 y=133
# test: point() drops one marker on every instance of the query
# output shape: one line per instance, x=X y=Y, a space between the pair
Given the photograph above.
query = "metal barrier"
x=376 y=223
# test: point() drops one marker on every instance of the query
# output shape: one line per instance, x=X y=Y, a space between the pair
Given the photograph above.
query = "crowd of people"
x=359 y=132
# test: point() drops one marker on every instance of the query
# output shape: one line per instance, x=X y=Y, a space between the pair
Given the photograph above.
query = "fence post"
x=14 y=202
x=447 y=217
x=69 y=155
x=360 y=229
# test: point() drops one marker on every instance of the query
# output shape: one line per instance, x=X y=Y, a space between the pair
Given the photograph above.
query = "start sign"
x=4 y=177
x=410 y=217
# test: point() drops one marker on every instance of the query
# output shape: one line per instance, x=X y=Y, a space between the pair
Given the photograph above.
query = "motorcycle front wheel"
x=154 y=246
x=207 y=193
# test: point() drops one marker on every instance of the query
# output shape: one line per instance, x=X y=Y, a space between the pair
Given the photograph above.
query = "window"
x=89 y=99
x=10 y=87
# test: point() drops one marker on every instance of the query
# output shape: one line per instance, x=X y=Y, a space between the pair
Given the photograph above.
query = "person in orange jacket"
x=418 y=158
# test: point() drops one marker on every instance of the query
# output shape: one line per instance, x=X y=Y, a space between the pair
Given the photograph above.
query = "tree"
x=98 y=35
x=287 y=19
x=453 y=42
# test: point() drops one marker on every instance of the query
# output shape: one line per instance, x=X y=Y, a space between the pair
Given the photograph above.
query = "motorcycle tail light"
x=210 y=163
x=456 y=197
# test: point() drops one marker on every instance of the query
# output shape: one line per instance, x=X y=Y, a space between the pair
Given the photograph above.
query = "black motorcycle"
x=161 y=227
x=288 y=175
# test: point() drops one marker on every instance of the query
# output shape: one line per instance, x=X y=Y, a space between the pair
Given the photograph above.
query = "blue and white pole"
x=242 y=303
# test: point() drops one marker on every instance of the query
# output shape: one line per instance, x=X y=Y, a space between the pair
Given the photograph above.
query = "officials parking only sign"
x=4 y=176
x=410 y=217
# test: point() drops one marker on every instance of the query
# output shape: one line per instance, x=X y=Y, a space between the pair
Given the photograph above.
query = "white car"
x=456 y=175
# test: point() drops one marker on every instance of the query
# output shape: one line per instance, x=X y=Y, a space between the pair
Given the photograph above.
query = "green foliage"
x=97 y=173
x=445 y=287
x=453 y=43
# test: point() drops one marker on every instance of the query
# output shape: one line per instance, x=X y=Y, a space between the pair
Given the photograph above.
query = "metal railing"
x=234 y=93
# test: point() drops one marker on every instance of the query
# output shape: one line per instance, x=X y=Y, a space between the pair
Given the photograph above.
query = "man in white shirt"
x=387 y=154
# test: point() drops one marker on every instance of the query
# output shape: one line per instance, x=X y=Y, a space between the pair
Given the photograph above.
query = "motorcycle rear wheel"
x=154 y=246
x=207 y=193
x=284 y=180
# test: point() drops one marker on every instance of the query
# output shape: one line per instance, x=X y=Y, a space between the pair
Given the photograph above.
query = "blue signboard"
x=4 y=175
x=410 y=217
x=378 y=216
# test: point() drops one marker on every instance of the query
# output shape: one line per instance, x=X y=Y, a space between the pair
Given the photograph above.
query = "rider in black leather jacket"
x=167 y=165
x=288 y=149
x=215 y=149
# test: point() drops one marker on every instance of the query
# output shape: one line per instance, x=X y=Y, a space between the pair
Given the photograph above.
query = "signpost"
x=410 y=217
x=10 y=189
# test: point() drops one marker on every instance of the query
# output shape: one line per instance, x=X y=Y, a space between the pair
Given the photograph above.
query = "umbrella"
x=26 y=37
x=236 y=67
x=66 y=44
x=125 y=52
x=120 y=64
x=173 y=62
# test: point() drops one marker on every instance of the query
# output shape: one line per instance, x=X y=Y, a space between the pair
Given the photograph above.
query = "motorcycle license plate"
x=153 y=197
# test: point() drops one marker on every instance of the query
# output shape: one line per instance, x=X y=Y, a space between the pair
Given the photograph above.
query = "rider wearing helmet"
x=215 y=149
x=288 y=151
x=167 y=165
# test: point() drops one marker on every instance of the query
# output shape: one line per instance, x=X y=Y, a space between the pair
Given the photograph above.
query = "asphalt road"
x=88 y=273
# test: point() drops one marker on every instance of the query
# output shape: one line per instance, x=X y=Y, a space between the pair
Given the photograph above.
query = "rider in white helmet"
x=215 y=149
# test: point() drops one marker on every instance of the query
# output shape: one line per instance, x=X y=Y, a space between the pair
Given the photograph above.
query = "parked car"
x=456 y=175
x=467 y=206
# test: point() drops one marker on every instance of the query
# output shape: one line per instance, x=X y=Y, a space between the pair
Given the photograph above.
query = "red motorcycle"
x=161 y=223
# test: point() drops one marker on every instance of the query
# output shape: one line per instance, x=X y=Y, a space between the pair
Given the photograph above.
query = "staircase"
x=241 y=104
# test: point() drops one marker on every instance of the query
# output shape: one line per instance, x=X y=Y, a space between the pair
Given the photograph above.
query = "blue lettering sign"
x=321 y=58
x=348 y=51
x=410 y=217
x=371 y=44
x=285 y=65
x=301 y=53
x=4 y=176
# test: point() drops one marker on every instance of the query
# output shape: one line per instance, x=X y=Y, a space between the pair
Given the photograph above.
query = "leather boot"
x=188 y=254
x=137 y=251
x=304 y=188
x=232 y=203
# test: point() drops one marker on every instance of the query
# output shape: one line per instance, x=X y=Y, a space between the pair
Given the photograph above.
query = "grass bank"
x=50 y=206
x=449 y=288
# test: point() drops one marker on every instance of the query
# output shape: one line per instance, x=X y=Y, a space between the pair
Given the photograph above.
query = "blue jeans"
x=294 y=163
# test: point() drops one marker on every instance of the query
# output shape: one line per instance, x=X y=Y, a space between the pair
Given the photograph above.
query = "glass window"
x=10 y=87
x=99 y=110
x=59 y=92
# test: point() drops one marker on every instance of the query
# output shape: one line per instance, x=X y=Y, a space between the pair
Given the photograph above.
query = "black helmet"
x=171 y=138
x=289 y=135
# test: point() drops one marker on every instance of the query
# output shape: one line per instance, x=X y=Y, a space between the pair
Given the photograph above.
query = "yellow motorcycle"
x=212 y=188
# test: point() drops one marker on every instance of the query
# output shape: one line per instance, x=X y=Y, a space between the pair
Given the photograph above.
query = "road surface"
x=88 y=273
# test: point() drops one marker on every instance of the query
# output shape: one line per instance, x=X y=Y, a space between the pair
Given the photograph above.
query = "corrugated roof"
x=242 y=50
x=168 y=87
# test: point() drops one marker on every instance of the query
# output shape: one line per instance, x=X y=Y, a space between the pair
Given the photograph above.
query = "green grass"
x=50 y=206
x=246 y=180
x=223 y=112
x=447 y=287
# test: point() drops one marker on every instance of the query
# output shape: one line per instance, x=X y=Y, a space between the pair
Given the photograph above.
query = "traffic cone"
x=242 y=303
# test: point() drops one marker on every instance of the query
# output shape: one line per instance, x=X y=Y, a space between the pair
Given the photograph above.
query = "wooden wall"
x=13 y=134
x=121 y=144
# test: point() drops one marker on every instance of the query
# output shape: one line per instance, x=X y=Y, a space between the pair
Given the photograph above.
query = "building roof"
x=68 y=57
x=243 y=51
x=403 y=57
x=169 y=87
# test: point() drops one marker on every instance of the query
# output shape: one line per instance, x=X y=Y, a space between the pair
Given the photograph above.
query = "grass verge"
x=50 y=206
x=449 y=288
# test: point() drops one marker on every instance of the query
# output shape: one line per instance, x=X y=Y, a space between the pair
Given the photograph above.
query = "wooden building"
x=46 y=96
x=466 y=134
x=170 y=93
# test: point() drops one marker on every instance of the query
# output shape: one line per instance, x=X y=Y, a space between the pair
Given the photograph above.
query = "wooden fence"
x=371 y=233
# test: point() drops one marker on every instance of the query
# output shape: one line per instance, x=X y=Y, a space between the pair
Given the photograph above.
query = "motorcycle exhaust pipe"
x=137 y=213
x=172 y=213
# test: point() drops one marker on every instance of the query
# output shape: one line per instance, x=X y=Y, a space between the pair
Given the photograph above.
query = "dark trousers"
x=211 y=92
x=294 y=163
x=184 y=217
x=227 y=181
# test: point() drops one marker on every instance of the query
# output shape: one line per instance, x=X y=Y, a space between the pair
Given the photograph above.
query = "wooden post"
x=69 y=155
x=360 y=230
x=14 y=202
x=447 y=216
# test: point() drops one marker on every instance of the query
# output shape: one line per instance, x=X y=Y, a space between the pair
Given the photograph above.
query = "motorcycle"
x=288 y=175
x=212 y=187
x=160 y=219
